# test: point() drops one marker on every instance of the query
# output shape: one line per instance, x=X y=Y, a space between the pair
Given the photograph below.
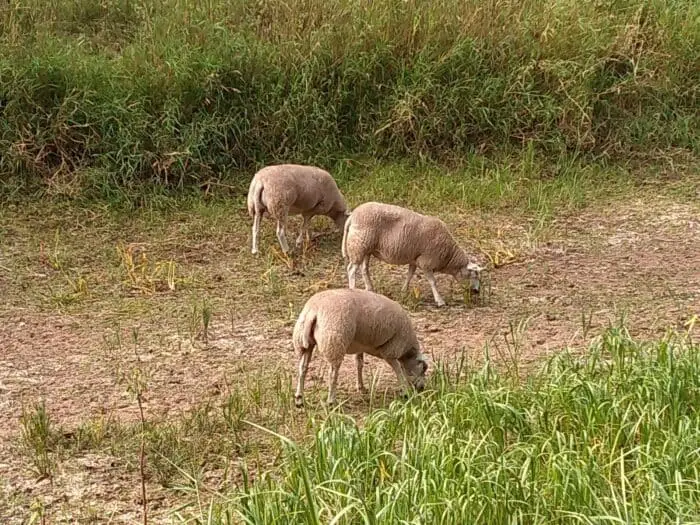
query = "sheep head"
x=340 y=218
x=415 y=366
x=472 y=273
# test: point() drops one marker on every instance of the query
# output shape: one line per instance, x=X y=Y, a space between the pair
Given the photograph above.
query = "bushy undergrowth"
x=609 y=438
x=116 y=92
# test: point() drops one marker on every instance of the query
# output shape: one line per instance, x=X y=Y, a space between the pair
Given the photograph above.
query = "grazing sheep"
x=285 y=189
x=344 y=321
x=396 y=235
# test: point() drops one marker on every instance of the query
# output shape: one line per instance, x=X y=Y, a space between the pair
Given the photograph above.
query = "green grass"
x=524 y=181
x=107 y=95
x=37 y=439
x=608 y=438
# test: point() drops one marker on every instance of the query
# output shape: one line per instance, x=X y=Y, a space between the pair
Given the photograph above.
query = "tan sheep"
x=291 y=189
x=344 y=321
x=397 y=235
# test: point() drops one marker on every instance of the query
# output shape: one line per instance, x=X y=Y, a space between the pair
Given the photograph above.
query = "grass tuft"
x=613 y=434
x=37 y=439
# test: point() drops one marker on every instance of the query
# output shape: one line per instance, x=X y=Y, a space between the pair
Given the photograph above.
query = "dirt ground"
x=636 y=259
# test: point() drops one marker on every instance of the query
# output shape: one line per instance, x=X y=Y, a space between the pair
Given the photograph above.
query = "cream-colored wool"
x=291 y=189
x=397 y=235
x=343 y=321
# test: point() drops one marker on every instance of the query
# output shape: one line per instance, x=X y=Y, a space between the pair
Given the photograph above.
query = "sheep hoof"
x=298 y=402
x=441 y=304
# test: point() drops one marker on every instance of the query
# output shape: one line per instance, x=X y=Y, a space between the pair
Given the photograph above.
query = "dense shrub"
x=181 y=91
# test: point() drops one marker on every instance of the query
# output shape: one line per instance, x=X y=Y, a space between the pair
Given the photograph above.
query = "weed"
x=199 y=320
x=511 y=353
x=137 y=386
x=37 y=439
x=412 y=299
x=37 y=513
x=234 y=410
x=141 y=274
x=206 y=320
x=134 y=376
x=586 y=323
x=273 y=283
x=70 y=292
x=54 y=257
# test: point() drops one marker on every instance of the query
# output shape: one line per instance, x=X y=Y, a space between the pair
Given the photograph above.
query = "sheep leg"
x=365 y=274
x=433 y=285
x=303 y=232
x=303 y=368
x=409 y=276
x=400 y=374
x=352 y=274
x=282 y=233
x=334 y=369
x=360 y=360
x=256 y=232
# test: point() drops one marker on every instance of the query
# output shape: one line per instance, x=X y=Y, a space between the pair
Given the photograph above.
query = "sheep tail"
x=304 y=332
x=255 y=204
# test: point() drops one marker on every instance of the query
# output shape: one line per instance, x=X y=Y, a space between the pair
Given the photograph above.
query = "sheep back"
x=353 y=321
x=398 y=235
x=296 y=189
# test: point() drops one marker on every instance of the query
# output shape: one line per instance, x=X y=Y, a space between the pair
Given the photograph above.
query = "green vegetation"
x=105 y=95
x=555 y=134
x=608 y=438
x=36 y=440
x=173 y=309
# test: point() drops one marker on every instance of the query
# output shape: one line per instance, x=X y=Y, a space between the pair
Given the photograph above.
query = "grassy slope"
x=104 y=95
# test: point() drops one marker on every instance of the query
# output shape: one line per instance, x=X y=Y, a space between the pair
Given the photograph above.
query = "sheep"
x=342 y=321
x=284 y=189
x=397 y=235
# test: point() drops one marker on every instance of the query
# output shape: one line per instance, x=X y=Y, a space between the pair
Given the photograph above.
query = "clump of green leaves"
x=613 y=434
x=37 y=439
